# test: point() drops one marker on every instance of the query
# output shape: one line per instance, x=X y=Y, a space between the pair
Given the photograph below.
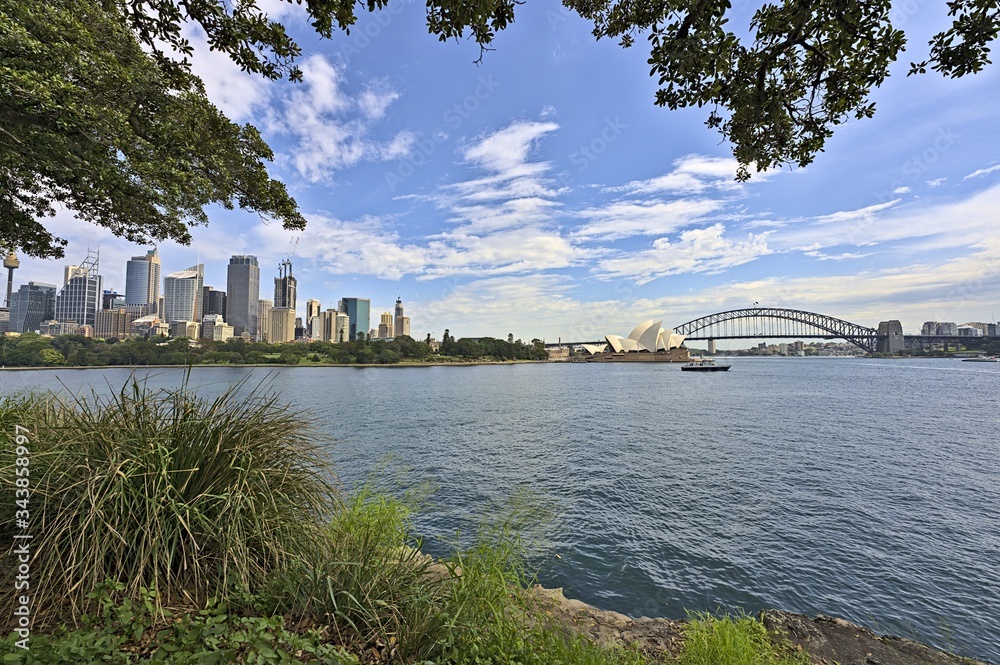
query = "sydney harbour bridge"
x=781 y=323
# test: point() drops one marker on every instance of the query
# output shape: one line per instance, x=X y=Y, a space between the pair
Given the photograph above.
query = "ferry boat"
x=983 y=359
x=704 y=366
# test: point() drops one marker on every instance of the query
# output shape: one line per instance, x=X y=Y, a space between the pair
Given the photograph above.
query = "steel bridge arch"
x=865 y=338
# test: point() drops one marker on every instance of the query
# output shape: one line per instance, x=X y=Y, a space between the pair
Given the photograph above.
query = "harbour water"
x=860 y=488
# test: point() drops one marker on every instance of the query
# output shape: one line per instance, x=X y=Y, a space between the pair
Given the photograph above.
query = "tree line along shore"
x=31 y=350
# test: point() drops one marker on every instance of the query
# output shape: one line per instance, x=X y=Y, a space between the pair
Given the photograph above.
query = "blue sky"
x=542 y=193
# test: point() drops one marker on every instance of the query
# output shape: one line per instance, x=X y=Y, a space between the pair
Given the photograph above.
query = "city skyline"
x=522 y=196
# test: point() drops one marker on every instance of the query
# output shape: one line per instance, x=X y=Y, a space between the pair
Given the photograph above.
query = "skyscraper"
x=359 y=312
x=402 y=323
x=31 y=304
x=243 y=295
x=385 y=326
x=80 y=299
x=314 y=319
x=284 y=287
x=214 y=302
x=182 y=294
x=264 y=320
x=142 y=280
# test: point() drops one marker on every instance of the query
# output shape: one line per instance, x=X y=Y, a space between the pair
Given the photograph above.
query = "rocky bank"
x=826 y=640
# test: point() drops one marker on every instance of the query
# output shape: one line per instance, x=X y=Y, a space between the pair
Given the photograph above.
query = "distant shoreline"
x=354 y=365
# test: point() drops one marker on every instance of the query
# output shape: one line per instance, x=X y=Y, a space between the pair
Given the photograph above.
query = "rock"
x=826 y=640
x=830 y=641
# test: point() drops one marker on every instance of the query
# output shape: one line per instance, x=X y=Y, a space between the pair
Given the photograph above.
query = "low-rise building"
x=189 y=329
x=214 y=327
x=114 y=323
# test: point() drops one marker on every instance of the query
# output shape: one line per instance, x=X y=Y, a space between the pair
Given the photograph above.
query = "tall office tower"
x=182 y=294
x=243 y=296
x=336 y=326
x=312 y=308
x=385 y=326
x=142 y=280
x=314 y=319
x=284 y=286
x=214 y=302
x=31 y=304
x=69 y=272
x=402 y=323
x=80 y=299
x=359 y=312
x=263 y=332
x=282 y=325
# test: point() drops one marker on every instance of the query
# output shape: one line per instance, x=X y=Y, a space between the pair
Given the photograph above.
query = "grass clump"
x=195 y=498
x=733 y=640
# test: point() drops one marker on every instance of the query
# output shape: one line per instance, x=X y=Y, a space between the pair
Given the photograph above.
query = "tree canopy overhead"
x=90 y=122
x=99 y=111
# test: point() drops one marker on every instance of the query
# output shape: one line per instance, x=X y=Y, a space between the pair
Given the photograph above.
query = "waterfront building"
x=969 y=331
x=282 y=325
x=31 y=304
x=648 y=342
x=4 y=319
x=930 y=328
x=358 y=311
x=948 y=329
x=215 y=328
x=142 y=280
x=243 y=295
x=983 y=328
x=189 y=329
x=54 y=328
x=385 y=326
x=182 y=295
x=783 y=349
x=263 y=332
x=114 y=323
x=401 y=322
x=214 y=302
x=800 y=348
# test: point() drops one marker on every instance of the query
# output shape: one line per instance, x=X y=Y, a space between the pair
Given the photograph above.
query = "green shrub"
x=732 y=640
x=193 y=497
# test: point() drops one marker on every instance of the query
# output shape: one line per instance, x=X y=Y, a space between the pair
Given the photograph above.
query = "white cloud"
x=901 y=190
x=696 y=251
x=981 y=172
x=331 y=130
x=624 y=219
x=861 y=214
x=691 y=174
x=506 y=150
x=936 y=182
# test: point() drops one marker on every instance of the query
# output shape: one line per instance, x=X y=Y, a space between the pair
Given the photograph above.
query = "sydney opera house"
x=648 y=342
